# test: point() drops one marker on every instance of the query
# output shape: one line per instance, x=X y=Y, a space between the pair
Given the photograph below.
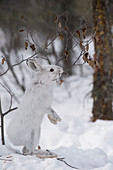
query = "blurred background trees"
x=39 y=15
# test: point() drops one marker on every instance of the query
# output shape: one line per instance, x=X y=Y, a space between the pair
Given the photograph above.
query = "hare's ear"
x=34 y=65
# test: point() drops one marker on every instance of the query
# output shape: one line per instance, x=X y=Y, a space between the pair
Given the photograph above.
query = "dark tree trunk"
x=102 y=79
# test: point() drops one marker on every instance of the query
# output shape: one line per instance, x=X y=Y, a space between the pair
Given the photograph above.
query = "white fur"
x=24 y=128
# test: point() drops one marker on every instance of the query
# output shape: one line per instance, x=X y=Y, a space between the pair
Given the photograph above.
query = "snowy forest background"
x=78 y=36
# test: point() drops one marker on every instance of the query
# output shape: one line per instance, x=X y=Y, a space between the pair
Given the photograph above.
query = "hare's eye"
x=51 y=70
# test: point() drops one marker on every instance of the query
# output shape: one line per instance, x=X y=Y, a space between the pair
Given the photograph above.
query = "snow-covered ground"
x=82 y=144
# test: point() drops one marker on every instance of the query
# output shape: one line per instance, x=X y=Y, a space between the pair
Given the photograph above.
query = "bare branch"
x=8 y=87
x=3 y=114
x=10 y=110
x=2 y=124
x=0 y=107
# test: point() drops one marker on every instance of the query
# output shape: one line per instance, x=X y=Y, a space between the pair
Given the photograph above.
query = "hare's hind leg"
x=45 y=154
x=29 y=146
x=25 y=151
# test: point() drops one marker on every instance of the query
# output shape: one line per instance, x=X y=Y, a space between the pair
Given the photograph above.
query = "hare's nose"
x=61 y=71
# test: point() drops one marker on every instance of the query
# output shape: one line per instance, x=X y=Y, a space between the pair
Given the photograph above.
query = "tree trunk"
x=102 y=79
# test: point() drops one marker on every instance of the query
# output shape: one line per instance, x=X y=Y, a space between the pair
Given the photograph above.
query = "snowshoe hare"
x=24 y=128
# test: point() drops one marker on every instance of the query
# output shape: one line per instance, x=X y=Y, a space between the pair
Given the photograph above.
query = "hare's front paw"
x=53 y=117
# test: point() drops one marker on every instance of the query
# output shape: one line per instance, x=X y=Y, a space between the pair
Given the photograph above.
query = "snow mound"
x=6 y=150
x=74 y=157
x=83 y=159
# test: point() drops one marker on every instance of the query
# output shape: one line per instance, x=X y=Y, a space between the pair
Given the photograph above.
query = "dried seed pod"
x=32 y=46
x=78 y=32
x=61 y=81
x=84 y=32
x=26 y=45
x=55 y=19
x=61 y=37
x=21 y=30
x=3 y=59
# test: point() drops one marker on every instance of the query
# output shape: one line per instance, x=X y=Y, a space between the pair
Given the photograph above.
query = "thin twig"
x=52 y=41
x=5 y=88
x=18 y=64
x=76 y=61
x=40 y=50
x=11 y=95
x=5 y=159
x=62 y=160
x=10 y=111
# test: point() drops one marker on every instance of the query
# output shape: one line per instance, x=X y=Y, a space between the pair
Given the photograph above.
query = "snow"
x=82 y=143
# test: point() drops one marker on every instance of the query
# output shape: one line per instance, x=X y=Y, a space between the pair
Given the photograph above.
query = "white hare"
x=24 y=128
